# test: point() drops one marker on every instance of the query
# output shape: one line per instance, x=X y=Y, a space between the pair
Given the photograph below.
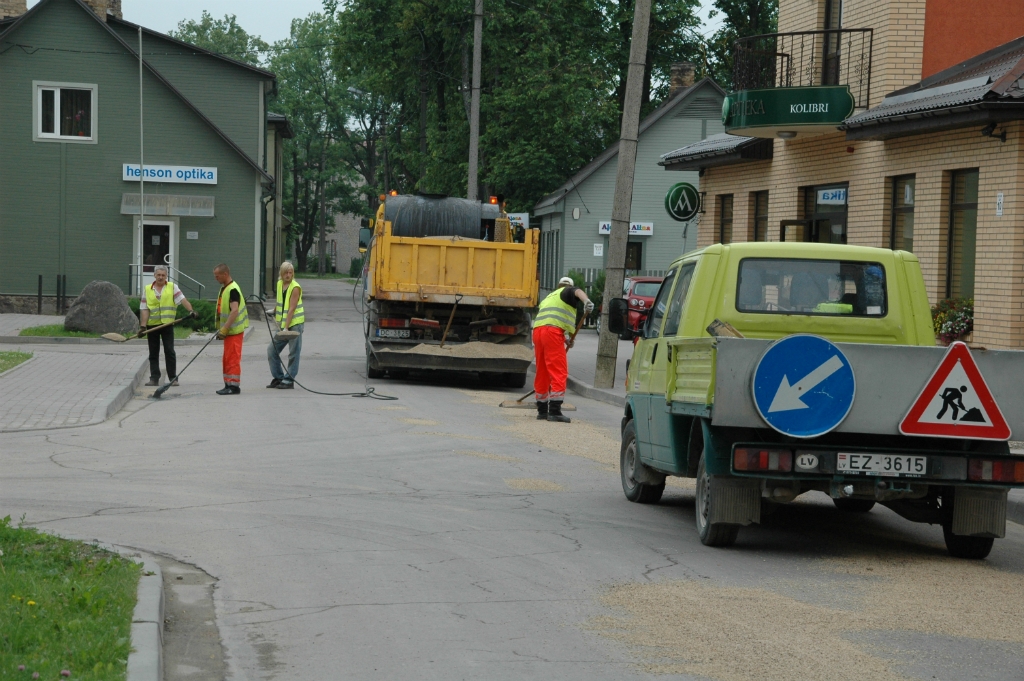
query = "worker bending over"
x=553 y=331
x=232 y=320
x=290 y=316
x=158 y=306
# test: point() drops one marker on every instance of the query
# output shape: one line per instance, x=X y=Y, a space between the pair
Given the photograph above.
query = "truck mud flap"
x=736 y=501
x=979 y=512
x=475 y=356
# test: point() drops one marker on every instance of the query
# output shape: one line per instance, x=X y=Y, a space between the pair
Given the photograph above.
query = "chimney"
x=681 y=77
x=12 y=8
x=103 y=7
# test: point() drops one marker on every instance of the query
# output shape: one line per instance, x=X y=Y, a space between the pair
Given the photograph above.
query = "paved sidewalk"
x=66 y=389
x=583 y=363
x=11 y=324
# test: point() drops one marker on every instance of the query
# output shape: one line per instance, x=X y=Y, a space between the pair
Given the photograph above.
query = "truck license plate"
x=394 y=333
x=882 y=464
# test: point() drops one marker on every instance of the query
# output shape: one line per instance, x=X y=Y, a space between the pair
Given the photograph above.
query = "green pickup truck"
x=822 y=375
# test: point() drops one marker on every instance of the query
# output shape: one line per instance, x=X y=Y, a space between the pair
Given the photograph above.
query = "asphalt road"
x=439 y=537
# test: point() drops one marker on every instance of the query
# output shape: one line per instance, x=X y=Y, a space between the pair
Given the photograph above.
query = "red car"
x=640 y=292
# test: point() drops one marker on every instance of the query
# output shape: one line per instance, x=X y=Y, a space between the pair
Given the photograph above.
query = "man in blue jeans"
x=290 y=316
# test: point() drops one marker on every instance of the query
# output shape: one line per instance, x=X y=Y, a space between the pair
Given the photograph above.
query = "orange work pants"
x=233 y=359
x=552 y=369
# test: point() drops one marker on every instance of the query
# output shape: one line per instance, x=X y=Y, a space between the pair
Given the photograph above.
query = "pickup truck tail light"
x=503 y=329
x=749 y=459
x=393 y=323
x=995 y=471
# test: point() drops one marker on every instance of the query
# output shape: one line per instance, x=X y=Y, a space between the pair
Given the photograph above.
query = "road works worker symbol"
x=682 y=201
x=956 y=402
x=803 y=386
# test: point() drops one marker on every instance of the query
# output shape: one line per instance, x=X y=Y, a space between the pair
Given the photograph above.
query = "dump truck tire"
x=711 y=534
x=854 y=505
x=372 y=371
x=629 y=459
x=959 y=546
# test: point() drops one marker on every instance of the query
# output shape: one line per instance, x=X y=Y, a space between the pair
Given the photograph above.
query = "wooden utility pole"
x=622 y=201
x=474 y=105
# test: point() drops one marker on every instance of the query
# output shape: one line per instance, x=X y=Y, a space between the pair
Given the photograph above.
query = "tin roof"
x=717 y=150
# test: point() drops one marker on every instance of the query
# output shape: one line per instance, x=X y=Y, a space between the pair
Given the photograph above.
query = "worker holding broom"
x=158 y=307
x=232 y=321
x=290 y=316
x=553 y=331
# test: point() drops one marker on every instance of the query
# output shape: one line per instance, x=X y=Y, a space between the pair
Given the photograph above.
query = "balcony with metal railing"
x=798 y=83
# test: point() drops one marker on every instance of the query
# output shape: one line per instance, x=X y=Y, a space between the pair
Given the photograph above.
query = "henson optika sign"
x=179 y=174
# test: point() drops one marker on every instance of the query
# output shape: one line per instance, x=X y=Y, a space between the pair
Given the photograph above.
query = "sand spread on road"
x=533 y=484
x=491 y=457
x=420 y=422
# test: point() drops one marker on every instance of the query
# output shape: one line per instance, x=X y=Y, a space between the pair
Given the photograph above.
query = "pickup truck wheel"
x=854 y=505
x=372 y=371
x=629 y=458
x=960 y=546
x=711 y=534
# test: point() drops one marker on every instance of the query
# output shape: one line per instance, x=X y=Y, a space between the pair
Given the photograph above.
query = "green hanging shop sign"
x=808 y=110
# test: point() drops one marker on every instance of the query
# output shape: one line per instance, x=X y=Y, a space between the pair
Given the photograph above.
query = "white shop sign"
x=635 y=228
x=519 y=220
x=832 y=197
x=180 y=174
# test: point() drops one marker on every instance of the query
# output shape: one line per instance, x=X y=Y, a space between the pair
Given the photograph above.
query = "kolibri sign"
x=635 y=228
x=682 y=201
x=789 y=108
x=180 y=174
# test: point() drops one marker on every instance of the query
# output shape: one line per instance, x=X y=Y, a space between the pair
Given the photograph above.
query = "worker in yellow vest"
x=157 y=306
x=552 y=333
x=232 y=321
x=290 y=315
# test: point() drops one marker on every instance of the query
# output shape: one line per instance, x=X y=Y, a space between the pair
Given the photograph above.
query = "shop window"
x=65 y=112
x=634 y=256
x=760 y=216
x=962 y=235
x=725 y=219
x=901 y=228
x=825 y=208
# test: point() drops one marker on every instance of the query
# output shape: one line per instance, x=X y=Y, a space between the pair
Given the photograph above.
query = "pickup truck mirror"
x=618 y=309
x=365 y=234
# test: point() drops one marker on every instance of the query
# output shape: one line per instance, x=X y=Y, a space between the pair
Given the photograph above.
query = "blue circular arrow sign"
x=803 y=386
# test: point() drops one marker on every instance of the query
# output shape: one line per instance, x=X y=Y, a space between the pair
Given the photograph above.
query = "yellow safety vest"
x=162 y=309
x=281 y=311
x=553 y=312
x=224 y=310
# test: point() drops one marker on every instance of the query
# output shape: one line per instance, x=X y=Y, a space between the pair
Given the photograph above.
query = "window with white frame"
x=65 y=112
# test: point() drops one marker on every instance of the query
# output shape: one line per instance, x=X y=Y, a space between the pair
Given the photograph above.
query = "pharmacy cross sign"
x=682 y=201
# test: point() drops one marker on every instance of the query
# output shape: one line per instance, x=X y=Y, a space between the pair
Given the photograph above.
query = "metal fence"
x=806 y=58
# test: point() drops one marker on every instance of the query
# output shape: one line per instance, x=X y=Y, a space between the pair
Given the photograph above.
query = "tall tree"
x=742 y=19
x=223 y=36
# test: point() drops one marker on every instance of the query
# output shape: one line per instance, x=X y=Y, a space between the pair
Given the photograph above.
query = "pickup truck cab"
x=693 y=408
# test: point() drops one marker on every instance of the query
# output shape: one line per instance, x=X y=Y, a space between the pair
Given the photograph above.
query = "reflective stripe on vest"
x=224 y=310
x=162 y=309
x=553 y=312
x=281 y=311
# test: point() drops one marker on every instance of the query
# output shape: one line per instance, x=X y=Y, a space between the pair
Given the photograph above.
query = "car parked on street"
x=640 y=293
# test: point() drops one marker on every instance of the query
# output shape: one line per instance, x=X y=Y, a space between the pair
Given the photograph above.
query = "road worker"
x=553 y=331
x=158 y=306
x=232 y=321
x=290 y=316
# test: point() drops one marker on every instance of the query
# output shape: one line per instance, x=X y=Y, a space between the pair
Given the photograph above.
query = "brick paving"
x=11 y=324
x=63 y=389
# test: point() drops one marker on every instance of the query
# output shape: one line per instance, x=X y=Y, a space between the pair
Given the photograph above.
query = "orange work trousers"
x=552 y=369
x=233 y=359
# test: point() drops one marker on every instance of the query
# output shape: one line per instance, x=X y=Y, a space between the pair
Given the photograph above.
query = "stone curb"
x=589 y=391
x=119 y=395
x=61 y=340
x=15 y=368
x=145 y=661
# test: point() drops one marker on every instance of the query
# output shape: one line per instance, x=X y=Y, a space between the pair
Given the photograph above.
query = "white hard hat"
x=566 y=281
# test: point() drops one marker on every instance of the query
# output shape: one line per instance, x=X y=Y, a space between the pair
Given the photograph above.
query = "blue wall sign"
x=803 y=386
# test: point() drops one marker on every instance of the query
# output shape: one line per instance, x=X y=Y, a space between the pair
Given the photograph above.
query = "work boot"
x=174 y=382
x=274 y=383
x=154 y=381
x=228 y=390
x=555 y=412
x=542 y=411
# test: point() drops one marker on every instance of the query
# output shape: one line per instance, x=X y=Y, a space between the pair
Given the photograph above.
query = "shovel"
x=118 y=338
x=519 y=404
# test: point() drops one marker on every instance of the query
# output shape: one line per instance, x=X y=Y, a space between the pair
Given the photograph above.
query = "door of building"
x=155 y=245
x=825 y=209
x=634 y=256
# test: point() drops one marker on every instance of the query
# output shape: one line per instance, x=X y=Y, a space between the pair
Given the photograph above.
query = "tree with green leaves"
x=223 y=36
x=743 y=18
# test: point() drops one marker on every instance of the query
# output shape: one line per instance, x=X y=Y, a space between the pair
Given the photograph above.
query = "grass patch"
x=9 y=360
x=63 y=605
x=55 y=330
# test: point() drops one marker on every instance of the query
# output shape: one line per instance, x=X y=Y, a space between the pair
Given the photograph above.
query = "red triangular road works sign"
x=956 y=402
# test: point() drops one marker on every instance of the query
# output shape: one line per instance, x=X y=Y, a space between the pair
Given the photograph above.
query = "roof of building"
x=586 y=171
x=282 y=123
x=8 y=28
x=988 y=87
x=718 y=150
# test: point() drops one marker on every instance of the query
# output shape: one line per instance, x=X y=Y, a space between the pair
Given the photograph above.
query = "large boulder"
x=101 y=308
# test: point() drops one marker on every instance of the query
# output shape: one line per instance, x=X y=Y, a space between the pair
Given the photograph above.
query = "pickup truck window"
x=675 y=309
x=815 y=287
x=653 y=328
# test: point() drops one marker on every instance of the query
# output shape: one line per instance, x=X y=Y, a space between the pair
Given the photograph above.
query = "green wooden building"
x=70 y=157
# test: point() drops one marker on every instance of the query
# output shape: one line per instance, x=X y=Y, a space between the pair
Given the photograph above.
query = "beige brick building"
x=934 y=166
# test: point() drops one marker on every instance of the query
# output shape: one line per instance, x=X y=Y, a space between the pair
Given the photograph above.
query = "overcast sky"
x=269 y=19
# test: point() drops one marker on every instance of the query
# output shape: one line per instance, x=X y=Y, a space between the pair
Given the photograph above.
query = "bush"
x=953 y=318
x=355 y=268
x=206 y=309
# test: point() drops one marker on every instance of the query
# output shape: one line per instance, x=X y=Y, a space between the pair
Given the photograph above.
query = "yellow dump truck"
x=449 y=285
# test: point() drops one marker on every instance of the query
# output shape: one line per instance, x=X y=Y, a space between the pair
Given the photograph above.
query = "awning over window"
x=169 y=204
x=718 y=150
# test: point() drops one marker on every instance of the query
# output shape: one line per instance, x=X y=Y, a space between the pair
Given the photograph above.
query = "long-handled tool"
x=118 y=338
x=520 y=404
x=451 y=317
x=164 y=388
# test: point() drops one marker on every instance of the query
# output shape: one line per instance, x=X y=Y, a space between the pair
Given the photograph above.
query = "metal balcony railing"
x=806 y=58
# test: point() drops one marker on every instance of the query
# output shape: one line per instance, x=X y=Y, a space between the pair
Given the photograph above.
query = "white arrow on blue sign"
x=803 y=386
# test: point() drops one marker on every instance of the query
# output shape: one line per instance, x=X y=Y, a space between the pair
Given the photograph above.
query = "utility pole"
x=622 y=201
x=474 y=105
x=322 y=269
